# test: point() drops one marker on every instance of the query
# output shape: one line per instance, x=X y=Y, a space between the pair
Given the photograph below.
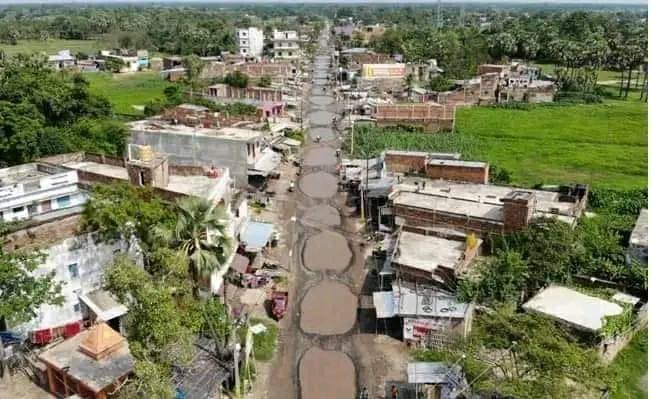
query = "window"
x=77 y=307
x=18 y=209
x=32 y=209
x=63 y=202
x=73 y=270
x=46 y=206
x=142 y=178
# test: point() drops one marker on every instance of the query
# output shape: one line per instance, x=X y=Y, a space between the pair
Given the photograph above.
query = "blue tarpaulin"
x=256 y=235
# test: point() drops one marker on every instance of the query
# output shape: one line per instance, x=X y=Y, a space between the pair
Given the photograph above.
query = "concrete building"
x=435 y=257
x=573 y=308
x=250 y=42
x=243 y=152
x=269 y=100
x=38 y=191
x=638 y=244
x=481 y=208
x=75 y=259
x=62 y=60
x=286 y=45
x=144 y=167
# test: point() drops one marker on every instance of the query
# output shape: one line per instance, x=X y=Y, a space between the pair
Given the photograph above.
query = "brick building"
x=481 y=208
x=432 y=117
x=436 y=166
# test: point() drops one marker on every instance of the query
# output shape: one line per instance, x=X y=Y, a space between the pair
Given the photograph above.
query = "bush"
x=237 y=79
x=621 y=202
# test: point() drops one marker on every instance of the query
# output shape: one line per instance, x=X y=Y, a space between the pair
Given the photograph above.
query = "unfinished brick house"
x=481 y=208
x=437 y=166
x=432 y=117
x=256 y=94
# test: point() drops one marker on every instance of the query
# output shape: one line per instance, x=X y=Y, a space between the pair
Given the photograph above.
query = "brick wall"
x=429 y=218
x=405 y=163
x=432 y=117
x=472 y=174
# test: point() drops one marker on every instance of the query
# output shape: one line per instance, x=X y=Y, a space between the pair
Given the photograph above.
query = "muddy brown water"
x=325 y=133
x=318 y=185
x=321 y=118
x=328 y=308
x=321 y=100
x=320 y=156
x=326 y=375
x=326 y=251
x=322 y=215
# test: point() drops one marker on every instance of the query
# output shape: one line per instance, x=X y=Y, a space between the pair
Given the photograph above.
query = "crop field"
x=128 y=92
x=52 y=46
x=604 y=145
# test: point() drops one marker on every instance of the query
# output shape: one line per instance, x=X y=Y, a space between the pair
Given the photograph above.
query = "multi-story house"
x=286 y=45
x=250 y=42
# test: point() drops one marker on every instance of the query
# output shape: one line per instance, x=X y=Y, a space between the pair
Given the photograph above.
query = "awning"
x=256 y=235
x=103 y=305
x=265 y=164
x=240 y=263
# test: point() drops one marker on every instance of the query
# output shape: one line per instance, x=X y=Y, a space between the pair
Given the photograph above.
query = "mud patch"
x=326 y=251
x=328 y=308
x=320 y=156
x=326 y=375
x=318 y=185
x=322 y=215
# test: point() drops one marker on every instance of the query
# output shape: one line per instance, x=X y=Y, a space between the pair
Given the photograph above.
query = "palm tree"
x=200 y=233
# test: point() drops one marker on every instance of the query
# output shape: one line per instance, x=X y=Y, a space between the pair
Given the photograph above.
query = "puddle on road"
x=322 y=215
x=329 y=308
x=326 y=375
x=318 y=185
x=326 y=251
x=320 y=156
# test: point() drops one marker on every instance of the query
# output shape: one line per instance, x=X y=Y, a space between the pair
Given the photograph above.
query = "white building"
x=250 y=42
x=639 y=241
x=78 y=262
x=286 y=45
x=38 y=191
x=62 y=60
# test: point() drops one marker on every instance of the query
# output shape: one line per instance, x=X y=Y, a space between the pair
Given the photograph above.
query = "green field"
x=128 y=92
x=603 y=76
x=604 y=145
x=52 y=46
x=630 y=367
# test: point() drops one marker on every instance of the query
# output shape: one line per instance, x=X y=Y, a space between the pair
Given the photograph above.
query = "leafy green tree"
x=123 y=210
x=21 y=291
x=265 y=81
x=237 y=79
x=199 y=231
x=114 y=64
x=440 y=83
x=500 y=279
x=193 y=67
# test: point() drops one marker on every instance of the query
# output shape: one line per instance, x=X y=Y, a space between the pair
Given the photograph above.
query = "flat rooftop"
x=475 y=200
x=27 y=173
x=575 y=308
x=198 y=186
x=640 y=234
x=161 y=126
x=95 y=374
x=426 y=253
x=456 y=162
x=431 y=155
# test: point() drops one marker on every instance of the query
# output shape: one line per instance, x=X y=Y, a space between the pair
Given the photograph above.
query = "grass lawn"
x=52 y=46
x=631 y=367
x=604 y=145
x=603 y=75
x=128 y=91
x=264 y=344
